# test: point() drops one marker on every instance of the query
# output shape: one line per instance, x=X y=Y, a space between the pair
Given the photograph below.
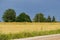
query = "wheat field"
x=27 y=27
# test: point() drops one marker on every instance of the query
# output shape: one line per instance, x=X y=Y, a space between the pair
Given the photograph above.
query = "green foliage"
x=39 y=18
x=49 y=19
x=9 y=15
x=23 y=17
x=53 y=20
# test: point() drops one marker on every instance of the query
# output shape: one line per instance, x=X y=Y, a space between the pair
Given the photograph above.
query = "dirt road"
x=47 y=37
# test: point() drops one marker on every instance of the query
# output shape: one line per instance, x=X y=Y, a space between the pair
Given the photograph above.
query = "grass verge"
x=27 y=34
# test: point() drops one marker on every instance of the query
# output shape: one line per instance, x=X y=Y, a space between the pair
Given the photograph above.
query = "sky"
x=32 y=7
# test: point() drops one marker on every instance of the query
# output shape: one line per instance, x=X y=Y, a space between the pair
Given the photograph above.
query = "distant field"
x=27 y=27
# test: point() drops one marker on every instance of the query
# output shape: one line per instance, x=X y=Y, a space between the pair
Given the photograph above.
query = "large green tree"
x=9 y=15
x=23 y=17
x=39 y=18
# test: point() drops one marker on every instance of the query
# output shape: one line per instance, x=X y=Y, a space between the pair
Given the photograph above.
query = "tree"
x=39 y=18
x=9 y=15
x=49 y=19
x=23 y=17
x=53 y=20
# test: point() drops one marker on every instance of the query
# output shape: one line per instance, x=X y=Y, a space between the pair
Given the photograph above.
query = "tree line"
x=10 y=16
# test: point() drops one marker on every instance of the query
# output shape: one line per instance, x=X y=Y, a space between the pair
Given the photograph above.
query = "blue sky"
x=31 y=7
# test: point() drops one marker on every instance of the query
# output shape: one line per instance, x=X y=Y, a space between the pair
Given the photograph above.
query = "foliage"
x=39 y=18
x=23 y=17
x=49 y=19
x=53 y=20
x=9 y=15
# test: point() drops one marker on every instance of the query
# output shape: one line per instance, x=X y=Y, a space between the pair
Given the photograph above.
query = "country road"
x=47 y=37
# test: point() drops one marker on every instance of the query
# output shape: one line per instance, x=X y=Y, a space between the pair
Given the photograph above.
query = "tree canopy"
x=49 y=19
x=9 y=15
x=23 y=17
x=53 y=19
x=39 y=18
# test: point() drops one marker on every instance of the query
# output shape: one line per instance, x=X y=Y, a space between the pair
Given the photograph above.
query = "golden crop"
x=27 y=27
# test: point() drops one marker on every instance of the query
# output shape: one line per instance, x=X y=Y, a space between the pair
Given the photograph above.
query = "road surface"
x=47 y=37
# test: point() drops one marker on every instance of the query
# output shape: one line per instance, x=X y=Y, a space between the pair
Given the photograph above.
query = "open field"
x=27 y=27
